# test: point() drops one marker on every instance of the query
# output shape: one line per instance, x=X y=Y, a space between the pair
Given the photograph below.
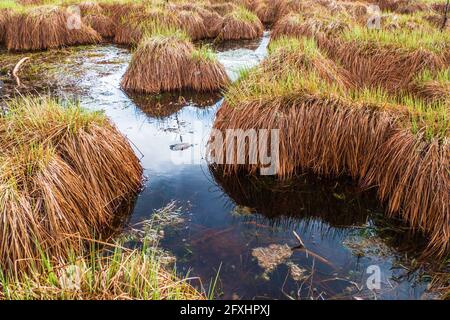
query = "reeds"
x=168 y=61
x=46 y=27
x=65 y=173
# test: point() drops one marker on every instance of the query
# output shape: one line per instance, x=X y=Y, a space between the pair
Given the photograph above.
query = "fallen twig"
x=16 y=70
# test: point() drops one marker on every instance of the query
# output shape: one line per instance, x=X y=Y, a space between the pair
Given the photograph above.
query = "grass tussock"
x=193 y=24
x=135 y=25
x=433 y=86
x=391 y=60
x=4 y=17
x=300 y=25
x=114 y=273
x=46 y=27
x=158 y=63
x=65 y=172
x=211 y=20
x=331 y=127
x=168 y=61
x=222 y=8
x=403 y=6
x=206 y=73
x=241 y=24
x=104 y=25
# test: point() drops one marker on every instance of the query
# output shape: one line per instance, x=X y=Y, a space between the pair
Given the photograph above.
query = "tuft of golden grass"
x=4 y=17
x=167 y=61
x=300 y=25
x=45 y=27
x=391 y=60
x=133 y=26
x=64 y=172
x=193 y=24
x=240 y=24
x=105 y=26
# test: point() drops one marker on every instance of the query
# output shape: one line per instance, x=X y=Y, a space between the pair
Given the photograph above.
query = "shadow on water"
x=342 y=229
x=164 y=105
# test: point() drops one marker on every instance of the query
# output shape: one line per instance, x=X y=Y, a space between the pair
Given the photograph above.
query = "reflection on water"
x=227 y=218
x=332 y=218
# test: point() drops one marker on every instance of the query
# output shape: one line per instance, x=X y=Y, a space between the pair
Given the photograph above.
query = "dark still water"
x=248 y=227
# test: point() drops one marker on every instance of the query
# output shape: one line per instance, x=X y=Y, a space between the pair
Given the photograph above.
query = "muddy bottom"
x=266 y=239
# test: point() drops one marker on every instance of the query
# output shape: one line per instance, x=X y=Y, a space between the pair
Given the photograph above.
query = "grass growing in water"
x=112 y=273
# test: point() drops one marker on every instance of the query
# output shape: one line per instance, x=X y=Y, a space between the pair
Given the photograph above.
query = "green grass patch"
x=243 y=14
x=204 y=53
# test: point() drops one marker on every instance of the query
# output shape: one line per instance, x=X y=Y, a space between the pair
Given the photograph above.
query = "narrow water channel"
x=226 y=219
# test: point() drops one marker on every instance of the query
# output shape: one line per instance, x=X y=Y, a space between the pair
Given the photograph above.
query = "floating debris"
x=172 y=130
x=272 y=256
x=180 y=146
x=242 y=211
x=367 y=246
x=296 y=272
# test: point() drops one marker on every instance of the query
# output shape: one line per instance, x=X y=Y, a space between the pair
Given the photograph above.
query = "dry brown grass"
x=206 y=73
x=373 y=64
x=168 y=61
x=118 y=11
x=403 y=6
x=159 y=64
x=332 y=139
x=4 y=16
x=64 y=174
x=222 y=8
x=269 y=11
x=239 y=25
x=89 y=7
x=45 y=28
x=133 y=26
x=212 y=21
x=30 y=2
x=108 y=273
x=412 y=178
x=104 y=25
x=299 y=25
x=193 y=24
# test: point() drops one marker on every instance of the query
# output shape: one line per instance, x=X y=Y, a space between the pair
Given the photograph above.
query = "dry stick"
x=16 y=69
x=302 y=247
